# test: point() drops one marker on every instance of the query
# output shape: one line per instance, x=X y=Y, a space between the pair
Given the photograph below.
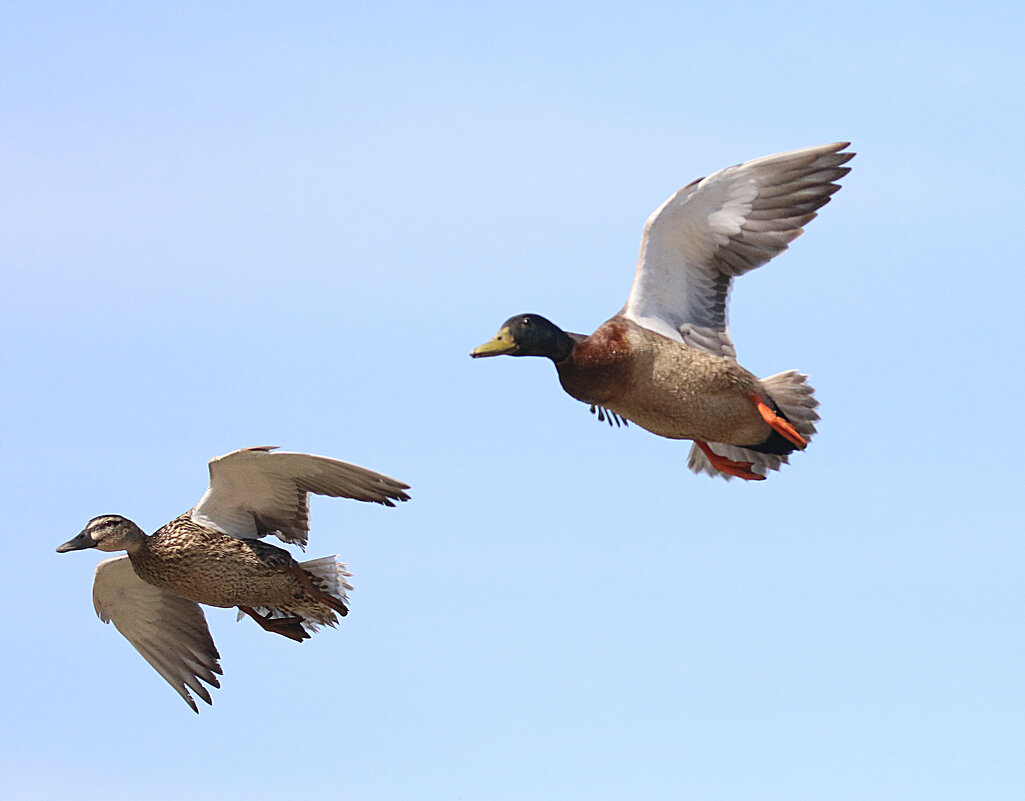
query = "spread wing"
x=259 y=491
x=169 y=631
x=722 y=226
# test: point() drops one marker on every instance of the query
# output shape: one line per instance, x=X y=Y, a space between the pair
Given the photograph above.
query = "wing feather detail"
x=169 y=631
x=258 y=491
x=722 y=226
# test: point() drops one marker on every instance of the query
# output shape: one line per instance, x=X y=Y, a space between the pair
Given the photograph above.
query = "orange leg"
x=728 y=466
x=776 y=422
x=290 y=627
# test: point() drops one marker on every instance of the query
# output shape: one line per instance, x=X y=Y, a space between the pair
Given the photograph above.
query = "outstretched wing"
x=722 y=226
x=259 y=491
x=169 y=631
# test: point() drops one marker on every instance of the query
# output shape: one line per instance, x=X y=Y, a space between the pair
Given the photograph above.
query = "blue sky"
x=268 y=224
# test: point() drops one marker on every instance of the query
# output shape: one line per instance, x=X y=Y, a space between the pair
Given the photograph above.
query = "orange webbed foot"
x=728 y=466
x=777 y=423
x=290 y=627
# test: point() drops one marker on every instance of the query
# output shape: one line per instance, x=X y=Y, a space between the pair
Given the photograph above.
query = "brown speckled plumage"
x=219 y=570
x=213 y=555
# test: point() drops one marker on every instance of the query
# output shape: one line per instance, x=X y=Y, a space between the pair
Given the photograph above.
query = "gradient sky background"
x=256 y=223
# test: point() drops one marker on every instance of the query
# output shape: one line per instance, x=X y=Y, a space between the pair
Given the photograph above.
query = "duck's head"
x=528 y=335
x=105 y=533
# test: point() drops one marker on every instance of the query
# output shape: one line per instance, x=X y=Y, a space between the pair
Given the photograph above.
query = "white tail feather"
x=796 y=399
x=332 y=573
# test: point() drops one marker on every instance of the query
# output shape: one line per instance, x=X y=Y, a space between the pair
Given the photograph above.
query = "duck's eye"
x=526 y=321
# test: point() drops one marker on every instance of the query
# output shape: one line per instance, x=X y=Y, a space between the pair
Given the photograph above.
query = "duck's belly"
x=682 y=393
x=240 y=573
x=711 y=418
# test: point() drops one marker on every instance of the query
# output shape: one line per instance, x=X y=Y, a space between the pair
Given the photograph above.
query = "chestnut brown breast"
x=601 y=367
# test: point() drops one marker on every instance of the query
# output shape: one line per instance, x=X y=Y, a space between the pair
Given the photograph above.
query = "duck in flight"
x=213 y=555
x=666 y=361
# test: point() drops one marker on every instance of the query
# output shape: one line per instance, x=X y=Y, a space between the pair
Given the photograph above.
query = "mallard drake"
x=212 y=555
x=666 y=361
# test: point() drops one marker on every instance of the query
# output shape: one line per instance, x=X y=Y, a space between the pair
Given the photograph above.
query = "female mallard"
x=666 y=361
x=212 y=555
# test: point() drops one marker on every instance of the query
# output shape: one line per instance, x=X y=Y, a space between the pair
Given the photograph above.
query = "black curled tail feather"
x=775 y=444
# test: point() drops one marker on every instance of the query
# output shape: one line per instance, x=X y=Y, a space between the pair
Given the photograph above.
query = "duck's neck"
x=136 y=541
x=562 y=347
x=549 y=341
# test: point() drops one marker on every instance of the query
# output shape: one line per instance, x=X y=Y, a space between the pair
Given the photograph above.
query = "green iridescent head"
x=527 y=335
